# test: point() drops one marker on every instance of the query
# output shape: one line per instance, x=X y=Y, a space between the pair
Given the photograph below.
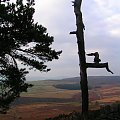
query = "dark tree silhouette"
x=82 y=59
x=21 y=39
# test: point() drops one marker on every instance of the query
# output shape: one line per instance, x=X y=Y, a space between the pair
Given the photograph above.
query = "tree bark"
x=82 y=58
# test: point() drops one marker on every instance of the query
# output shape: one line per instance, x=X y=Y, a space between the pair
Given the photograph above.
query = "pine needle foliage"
x=23 y=40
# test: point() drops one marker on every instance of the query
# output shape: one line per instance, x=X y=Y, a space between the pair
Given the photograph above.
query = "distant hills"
x=74 y=83
x=103 y=80
x=97 y=79
x=57 y=90
x=93 y=82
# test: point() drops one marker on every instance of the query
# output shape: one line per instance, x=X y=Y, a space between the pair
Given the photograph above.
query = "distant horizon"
x=67 y=77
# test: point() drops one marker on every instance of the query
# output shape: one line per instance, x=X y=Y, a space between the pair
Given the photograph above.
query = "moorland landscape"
x=49 y=98
x=26 y=45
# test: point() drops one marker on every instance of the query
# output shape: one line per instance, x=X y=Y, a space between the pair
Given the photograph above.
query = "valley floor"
x=50 y=102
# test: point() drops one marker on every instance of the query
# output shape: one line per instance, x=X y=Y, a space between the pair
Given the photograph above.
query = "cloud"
x=101 y=19
x=110 y=13
x=113 y=25
x=115 y=32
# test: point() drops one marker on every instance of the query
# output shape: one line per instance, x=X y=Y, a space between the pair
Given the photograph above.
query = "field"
x=50 y=98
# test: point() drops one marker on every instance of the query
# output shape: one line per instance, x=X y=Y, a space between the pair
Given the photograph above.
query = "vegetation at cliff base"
x=109 y=112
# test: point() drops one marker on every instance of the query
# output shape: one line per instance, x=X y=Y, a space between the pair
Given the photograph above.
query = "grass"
x=109 y=112
x=47 y=89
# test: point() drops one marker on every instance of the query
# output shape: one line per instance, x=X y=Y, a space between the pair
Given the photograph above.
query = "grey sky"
x=102 y=34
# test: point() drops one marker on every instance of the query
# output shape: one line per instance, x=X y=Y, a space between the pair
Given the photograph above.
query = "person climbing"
x=96 y=58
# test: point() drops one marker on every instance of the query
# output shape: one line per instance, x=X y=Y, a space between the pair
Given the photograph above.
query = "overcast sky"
x=102 y=34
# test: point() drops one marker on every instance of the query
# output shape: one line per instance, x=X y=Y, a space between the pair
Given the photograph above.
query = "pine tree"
x=21 y=39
